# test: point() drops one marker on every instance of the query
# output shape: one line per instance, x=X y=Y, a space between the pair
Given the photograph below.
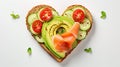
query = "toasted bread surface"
x=37 y=8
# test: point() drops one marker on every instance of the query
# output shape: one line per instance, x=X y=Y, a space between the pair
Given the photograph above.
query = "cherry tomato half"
x=78 y=15
x=46 y=14
x=37 y=26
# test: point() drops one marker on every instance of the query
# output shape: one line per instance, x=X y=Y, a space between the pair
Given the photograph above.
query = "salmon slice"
x=60 y=44
x=69 y=38
x=75 y=29
x=57 y=39
x=64 y=41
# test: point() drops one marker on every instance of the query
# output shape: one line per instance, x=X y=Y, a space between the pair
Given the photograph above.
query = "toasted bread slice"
x=37 y=8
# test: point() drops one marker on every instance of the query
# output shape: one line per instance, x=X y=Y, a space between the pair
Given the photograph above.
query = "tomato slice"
x=78 y=15
x=37 y=26
x=46 y=14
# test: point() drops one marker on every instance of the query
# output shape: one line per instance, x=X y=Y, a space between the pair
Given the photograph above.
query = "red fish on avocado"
x=64 y=41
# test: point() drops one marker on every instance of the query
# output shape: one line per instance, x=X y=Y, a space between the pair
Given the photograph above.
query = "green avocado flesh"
x=51 y=28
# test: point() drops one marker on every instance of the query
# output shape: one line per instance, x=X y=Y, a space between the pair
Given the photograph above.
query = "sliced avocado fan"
x=52 y=28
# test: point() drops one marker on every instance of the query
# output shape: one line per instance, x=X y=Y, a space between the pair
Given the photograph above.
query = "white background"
x=104 y=38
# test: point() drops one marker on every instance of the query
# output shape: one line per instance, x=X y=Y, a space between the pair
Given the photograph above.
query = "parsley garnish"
x=29 y=50
x=14 y=16
x=103 y=15
x=88 y=50
x=60 y=30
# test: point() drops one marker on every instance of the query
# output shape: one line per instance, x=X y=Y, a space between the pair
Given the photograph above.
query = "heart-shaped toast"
x=59 y=35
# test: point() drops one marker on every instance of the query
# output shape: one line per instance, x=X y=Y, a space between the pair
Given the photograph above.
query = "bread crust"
x=37 y=8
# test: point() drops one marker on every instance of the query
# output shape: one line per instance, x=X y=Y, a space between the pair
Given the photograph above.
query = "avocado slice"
x=50 y=29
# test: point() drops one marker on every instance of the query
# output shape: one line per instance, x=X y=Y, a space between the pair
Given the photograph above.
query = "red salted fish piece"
x=64 y=41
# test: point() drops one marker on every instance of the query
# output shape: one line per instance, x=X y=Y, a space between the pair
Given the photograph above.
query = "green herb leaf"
x=88 y=50
x=14 y=16
x=60 y=30
x=29 y=50
x=103 y=14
